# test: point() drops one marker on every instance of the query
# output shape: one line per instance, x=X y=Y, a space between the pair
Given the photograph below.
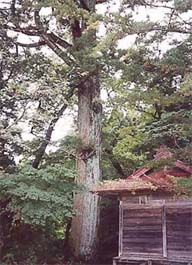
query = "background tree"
x=32 y=104
x=75 y=18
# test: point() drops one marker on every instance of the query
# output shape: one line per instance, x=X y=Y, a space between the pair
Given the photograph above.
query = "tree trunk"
x=85 y=224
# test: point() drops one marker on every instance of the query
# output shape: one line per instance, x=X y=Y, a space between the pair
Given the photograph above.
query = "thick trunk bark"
x=85 y=224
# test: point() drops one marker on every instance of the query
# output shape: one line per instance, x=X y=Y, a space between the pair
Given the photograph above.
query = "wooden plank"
x=179 y=203
x=138 y=206
x=145 y=226
x=120 y=229
x=164 y=224
x=138 y=210
x=130 y=199
x=114 y=261
x=142 y=230
x=179 y=231
x=155 y=260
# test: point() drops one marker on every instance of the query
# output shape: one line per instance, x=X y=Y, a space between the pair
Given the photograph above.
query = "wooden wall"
x=142 y=230
x=179 y=231
x=158 y=226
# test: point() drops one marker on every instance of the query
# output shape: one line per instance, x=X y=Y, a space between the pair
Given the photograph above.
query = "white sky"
x=62 y=128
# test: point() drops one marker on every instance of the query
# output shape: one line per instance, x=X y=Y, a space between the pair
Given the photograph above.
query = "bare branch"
x=170 y=18
x=54 y=47
x=184 y=21
x=101 y=1
x=19 y=118
x=176 y=30
x=37 y=18
x=163 y=29
x=30 y=31
x=13 y=2
x=59 y=40
x=152 y=5
x=161 y=6
x=32 y=45
x=10 y=74
x=33 y=31
x=41 y=150
x=115 y=163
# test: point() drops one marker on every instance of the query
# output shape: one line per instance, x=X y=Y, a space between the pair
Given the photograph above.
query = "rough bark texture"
x=85 y=224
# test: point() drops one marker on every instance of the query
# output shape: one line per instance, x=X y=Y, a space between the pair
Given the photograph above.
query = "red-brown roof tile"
x=145 y=180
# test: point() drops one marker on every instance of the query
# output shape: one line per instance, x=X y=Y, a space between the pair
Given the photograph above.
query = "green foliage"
x=184 y=186
x=127 y=147
x=183 y=5
x=40 y=197
x=160 y=163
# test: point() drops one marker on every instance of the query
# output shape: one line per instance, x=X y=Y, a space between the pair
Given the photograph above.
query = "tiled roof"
x=145 y=180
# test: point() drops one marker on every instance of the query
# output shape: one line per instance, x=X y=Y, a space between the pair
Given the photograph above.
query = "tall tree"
x=85 y=224
x=75 y=17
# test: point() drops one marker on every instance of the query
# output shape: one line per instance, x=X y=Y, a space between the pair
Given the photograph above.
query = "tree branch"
x=49 y=39
x=160 y=6
x=30 y=31
x=41 y=150
x=53 y=46
x=32 y=45
x=10 y=74
x=84 y=5
x=157 y=28
x=184 y=21
x=140 y=109
x=100 y=1
x=37 y=18
x=13 y=2
x=59 y=40
x=19 y=118
x=115 y=163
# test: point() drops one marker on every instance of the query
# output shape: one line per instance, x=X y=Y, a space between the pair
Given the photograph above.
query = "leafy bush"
x=40 y=196
x=36 y=206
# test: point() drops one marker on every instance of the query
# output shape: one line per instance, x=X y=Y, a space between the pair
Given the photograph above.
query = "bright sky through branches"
x=64 y=125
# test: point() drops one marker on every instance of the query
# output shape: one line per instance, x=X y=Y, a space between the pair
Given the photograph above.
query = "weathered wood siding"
x=179 y=231
x=142 y=231
x=159 y=227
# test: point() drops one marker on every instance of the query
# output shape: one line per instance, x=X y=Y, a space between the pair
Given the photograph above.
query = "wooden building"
x=155 y=225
